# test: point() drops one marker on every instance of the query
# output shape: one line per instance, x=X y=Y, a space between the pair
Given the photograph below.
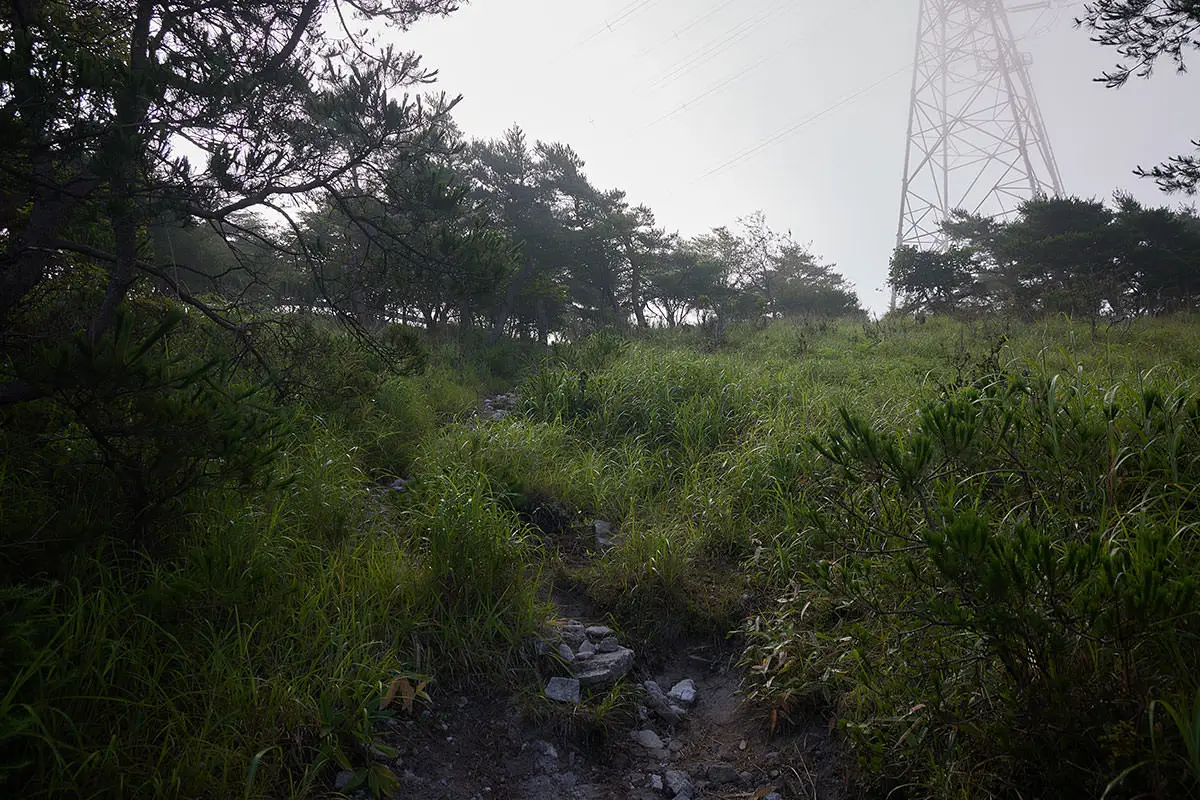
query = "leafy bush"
x=137 y=422
x=1007 y=586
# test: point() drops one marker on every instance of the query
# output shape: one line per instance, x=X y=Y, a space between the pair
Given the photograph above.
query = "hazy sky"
x=707 y=110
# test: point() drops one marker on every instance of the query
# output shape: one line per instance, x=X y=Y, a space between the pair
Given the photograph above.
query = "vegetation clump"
x=255 y=285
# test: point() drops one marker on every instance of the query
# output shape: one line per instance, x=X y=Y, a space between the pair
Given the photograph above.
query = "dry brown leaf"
x=407 y=695
x=390 y=695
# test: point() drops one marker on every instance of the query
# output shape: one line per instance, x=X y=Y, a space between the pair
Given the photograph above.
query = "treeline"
x=504 y=236
x=1059 y=255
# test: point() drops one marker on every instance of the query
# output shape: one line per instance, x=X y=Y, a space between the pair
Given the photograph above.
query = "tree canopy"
x=1059 y=255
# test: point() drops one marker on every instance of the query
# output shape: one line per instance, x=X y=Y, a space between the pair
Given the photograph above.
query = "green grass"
x=181 y=676
x=971 y=544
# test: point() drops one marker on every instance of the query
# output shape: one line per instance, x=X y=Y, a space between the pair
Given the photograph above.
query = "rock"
x=571 y=633
x=564 y=690
x=774 y=796
x=606 y=535
x=342 y=779
x=586 y=649
x=608 y=644
x=722 y=773
x=675 y=746
x=656 y=783
x=598 y=632
x=564 y=651
x=545 y=757
x=636 y=779
x=679 y=783
x=647 y=739
x=683 y=693
x=658 y=703
x=603 y=669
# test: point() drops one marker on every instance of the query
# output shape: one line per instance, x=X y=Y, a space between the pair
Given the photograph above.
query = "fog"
x=709 y=110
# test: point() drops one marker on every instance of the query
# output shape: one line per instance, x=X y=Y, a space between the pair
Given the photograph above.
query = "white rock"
x=683 y=692
x=661 y=706
x=647 y=739
x=563 y=690
x=603 y=669
x=679 y=783
x=598 y=632
x=606 y=535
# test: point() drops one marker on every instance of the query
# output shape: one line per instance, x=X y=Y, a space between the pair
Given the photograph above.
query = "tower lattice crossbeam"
x=976 y=138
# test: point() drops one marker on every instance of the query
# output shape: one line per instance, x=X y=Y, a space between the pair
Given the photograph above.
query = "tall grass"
x=252 y=659
x=963 y=541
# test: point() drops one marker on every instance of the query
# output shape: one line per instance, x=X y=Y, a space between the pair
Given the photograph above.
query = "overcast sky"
x=707 y=110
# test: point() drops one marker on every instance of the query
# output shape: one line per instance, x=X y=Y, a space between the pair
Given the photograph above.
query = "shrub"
x=1011 y=583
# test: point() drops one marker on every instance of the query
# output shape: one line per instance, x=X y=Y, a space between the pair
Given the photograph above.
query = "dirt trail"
x=478 y=746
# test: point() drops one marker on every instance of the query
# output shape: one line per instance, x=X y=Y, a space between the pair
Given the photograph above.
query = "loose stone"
x=684 y=692
x=658 y=703
x=598 y=632
x=647 y=739
x=722 y=773
x=604 y=669
x=604 y=533
x=563 y=690
x=679 y=783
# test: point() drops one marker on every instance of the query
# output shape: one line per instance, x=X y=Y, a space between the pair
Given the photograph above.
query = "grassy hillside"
x=972 y=546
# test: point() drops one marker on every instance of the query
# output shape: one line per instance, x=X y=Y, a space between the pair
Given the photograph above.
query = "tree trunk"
x=500 y=321
x=129 y=146
x=639 y=308
x=543 y=322
x=635 y=284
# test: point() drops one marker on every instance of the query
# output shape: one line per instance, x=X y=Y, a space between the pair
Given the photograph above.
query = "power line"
x=729 y=80
x=688 y=27
x=788 y=131
x=621 y=16
x=718 y=45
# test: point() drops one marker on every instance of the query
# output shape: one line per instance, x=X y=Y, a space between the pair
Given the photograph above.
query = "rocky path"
x=682 y=732
x=690 y=738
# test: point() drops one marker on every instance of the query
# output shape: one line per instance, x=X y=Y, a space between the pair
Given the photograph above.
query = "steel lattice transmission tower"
x=976 y=139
